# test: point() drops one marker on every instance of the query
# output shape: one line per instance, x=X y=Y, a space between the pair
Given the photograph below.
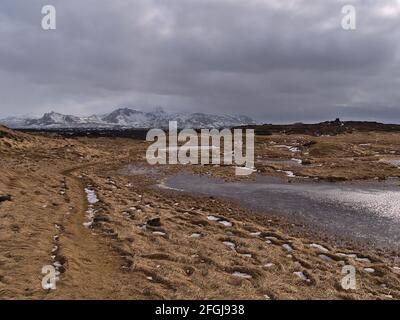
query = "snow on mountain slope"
x=129 y=118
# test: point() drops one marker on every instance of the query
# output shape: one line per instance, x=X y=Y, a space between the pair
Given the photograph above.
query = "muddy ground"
x=143 y=242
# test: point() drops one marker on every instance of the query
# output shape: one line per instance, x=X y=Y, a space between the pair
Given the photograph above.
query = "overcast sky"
x=275 y=60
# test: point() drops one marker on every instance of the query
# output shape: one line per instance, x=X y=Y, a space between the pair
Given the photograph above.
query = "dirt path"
x=93 y=269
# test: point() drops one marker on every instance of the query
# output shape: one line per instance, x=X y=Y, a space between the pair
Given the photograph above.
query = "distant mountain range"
x=128 y=118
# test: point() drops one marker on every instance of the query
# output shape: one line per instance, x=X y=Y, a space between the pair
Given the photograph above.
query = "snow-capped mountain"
x=16 y=122
x=129 y=118
x=52 y=118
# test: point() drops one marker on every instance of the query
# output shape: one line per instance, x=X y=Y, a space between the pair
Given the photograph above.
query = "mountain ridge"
x=128 y=118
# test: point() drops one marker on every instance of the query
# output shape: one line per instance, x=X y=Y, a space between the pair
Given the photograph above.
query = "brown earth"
x=127 y=253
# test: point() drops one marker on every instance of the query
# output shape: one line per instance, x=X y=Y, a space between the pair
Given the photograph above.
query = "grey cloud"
x=276 y=60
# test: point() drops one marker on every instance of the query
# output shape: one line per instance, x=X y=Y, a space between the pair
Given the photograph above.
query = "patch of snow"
x=289 y=173
x=325 y=257
x=363 y=260
x=90 y=215
x=319 y=247
x=349 y=255
x=241 y=275
x=290 y=148
x=301 y=275
x=226 y=223
x=269 y=265
x=299 y=161
x=159 y=233
x=287 y=247
x=91 y=196
x=242 y=171
x=212 y=218
x=195 y=235
x=229 y=244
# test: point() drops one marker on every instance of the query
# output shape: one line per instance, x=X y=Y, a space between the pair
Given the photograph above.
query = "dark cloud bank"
x=275 y=60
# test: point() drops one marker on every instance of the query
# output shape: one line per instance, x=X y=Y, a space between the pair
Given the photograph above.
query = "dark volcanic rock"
x=309 y=143
x=5 y=198
x=154 y=222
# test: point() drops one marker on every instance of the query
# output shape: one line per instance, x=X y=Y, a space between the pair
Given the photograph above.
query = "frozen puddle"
x=366 y=212
x=393 y=162
x=136 y=170
x=90 y=213
x=163 y=186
